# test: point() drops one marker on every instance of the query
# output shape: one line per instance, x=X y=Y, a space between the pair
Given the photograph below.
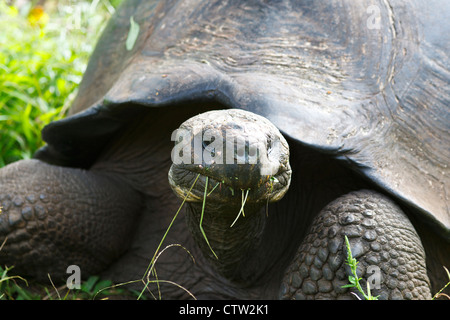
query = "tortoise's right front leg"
x=382 y=239
x=53 y=217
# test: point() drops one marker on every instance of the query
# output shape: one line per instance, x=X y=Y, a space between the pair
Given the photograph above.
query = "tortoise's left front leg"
x=54 y=217
x=382 y=239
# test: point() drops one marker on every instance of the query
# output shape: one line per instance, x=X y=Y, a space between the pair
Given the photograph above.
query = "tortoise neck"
x=226 y=242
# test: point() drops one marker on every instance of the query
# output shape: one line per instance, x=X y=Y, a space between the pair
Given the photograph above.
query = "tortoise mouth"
x=193 y=182
x=226 y=154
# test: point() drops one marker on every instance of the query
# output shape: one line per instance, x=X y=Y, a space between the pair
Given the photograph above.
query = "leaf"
x=354 y=279
x=88 y=285
x=348 y=286
x=132 y=34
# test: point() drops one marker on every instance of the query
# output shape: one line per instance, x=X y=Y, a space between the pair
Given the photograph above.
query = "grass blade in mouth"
x=213 y=189
x=151 y=264
x=244 y=200
x=201 y=217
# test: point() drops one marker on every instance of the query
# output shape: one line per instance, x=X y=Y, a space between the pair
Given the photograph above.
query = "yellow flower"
x=38 y=17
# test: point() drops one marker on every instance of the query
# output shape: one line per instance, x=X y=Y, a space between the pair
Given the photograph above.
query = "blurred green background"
x=44 y=49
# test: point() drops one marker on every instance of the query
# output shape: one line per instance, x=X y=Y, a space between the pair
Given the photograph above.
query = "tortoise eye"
x=207 y=146
x=269 y=144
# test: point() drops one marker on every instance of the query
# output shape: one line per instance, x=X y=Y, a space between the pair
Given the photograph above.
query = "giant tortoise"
x=336 y=115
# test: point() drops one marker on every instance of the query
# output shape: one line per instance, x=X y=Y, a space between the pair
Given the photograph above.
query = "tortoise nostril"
x=241 y=153
x=209 y=147
x=269 y=144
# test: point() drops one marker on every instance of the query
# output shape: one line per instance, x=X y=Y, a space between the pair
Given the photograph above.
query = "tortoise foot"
x=389 y=253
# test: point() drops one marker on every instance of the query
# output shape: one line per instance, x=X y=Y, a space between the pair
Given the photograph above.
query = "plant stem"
x=150 y=266
x=437 y=295
x=201 y=218
x=353 y=279
x=244 y=200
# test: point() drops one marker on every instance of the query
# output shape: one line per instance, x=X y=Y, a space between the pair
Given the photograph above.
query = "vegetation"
x=44 y=50
x=18 y=288
x=440 y=293
x=354 y=279
x=43 y=53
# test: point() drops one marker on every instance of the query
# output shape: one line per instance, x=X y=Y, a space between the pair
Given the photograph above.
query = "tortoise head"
x=236 y=150
x=227 y=164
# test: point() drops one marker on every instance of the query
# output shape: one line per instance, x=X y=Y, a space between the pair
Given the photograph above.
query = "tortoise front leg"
x=53 y=217
x=388 y=250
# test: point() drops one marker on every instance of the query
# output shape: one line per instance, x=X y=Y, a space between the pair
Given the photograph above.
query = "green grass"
x=43 y=55
x=440 y=293
x=17 y=288
x=42 y=59
x=353 y=278
x=9 y=287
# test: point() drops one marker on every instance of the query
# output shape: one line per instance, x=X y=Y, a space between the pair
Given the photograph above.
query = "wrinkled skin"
x=359 y=108
x=258 y=183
